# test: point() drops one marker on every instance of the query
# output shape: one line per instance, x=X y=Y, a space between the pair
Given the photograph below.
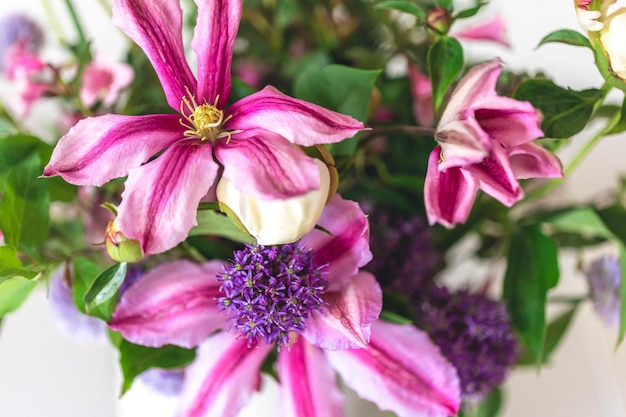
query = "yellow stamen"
x=441 y=158
x=203 y=121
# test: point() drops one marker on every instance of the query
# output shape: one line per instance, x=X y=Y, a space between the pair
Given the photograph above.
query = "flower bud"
x=274 y=222
x=612 y=37
x=119 y=247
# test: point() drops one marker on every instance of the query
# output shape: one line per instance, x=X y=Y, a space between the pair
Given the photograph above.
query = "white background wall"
x=43 y=373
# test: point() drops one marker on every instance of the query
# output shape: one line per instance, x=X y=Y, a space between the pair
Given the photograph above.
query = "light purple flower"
x=254 y=139
x=604 y=277
x=485 y=141
x=18 y=31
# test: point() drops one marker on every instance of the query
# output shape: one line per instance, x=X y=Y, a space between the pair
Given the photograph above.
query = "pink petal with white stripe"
x=493 y=30
x=172 y=304
x=308 y=387
x=266 y=166
x=346 y=323
x=156 y=26
x=462 y=142
x=298 y=121
x=532 y=161
x=347 y=249
x=508 y=121
x=496 y=177
x=98 y=149
x=213 y=42
x=402 y=371
x=160 y=199
x=223 y=377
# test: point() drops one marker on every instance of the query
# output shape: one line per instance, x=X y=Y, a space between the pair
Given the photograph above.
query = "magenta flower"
x=253 y=139
x=307 y=297
x=485 y=141
x=421 y=90
x=493 y=30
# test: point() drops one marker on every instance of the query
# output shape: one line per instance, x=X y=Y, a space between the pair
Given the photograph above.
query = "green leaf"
x=105 y=286
x=532 y=270
x=392 y=317
x=135 y=359
x=446 y=4
x=490 y=406
x=24 y=206
x=216 y=224
x=568 y=36
x=342 y=89
x=85 y=273
x=566 y=112
x=464 y=14
x=445 y=62
x=620 y=124
x=13 y=293
x=403 y=6
x=583 y=221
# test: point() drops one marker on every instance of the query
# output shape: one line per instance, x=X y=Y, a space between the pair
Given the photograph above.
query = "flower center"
x=202 y=121
x=270 y=292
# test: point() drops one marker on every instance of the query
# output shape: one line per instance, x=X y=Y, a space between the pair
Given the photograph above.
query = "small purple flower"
x=474 y=333
x=270 y=291
x=164 y=381
x=19 y=31
x=605 y=279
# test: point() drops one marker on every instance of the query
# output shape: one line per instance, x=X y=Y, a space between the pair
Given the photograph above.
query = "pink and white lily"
x=160 y=309
x=485 y=142
x=255 y=140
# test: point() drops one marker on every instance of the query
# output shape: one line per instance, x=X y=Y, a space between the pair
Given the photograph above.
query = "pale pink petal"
x=510 y=122
x=298 y=121
x=161 y=197
x=156 y=26
x=346 y=322
x=422 y=97
x=496 y=177
x=400 y=370
x=172 y=304
x=98 y=149
x=308 y=387
x=532 y=161
x=493 y=30
x=347 y=248
x=222 y=378
x=213 y=42
x=266 y=166
x=448 y=195
x=477 y=84
x=462 y=142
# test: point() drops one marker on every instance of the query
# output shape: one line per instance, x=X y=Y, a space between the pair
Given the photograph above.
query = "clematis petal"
x=98 y=149
x=298 y=121
x=347 y=321
x=160 y=198
x=510 y=122
x=496 y=177
x=532 y=161
x=477 y=84
x=266 y=166
x=172 y=304
x=222 y=378
x=448 y=195
x=422 y=96
x=213 y=42
x=462 y=142
x=491 y=30
x=400 y=370
x=347 y=248
x=156 y=26
x=308 y=387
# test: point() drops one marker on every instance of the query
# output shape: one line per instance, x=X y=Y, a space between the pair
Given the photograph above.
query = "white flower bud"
x=275 y=222
x=613 y=39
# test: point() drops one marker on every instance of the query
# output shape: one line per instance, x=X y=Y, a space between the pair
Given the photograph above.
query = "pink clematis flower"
x=422 y=96
x=485 y=141
x=28 y=73
x=493 y=30
x=226 y=371
x=254 y=140
x=103 y=80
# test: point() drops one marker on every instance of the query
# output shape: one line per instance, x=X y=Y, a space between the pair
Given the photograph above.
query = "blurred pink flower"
x=28 y=73
x=422 y=96
x=493 y=30
x=103 y=80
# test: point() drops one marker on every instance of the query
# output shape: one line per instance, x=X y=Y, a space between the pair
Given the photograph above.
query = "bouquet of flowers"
x=277 y=187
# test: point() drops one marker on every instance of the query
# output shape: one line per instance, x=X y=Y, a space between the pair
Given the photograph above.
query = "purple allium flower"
x=270 y=291
x=474 y=333
x=19 y=30
x=404 y=258
x=604 y=278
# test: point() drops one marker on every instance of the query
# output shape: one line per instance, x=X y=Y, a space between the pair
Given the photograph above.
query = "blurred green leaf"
x=566 y=112
x=135 y=359
x=490 y=406
x=105 y=286
x=216 y=224
x=85 y=273
x=620 y=124
x=24 y=206
x=532 y=270
x=342 y=89
x=13 y=293
x=403 y=6
x=567 y=36
x=445 y=62
x=471 y=11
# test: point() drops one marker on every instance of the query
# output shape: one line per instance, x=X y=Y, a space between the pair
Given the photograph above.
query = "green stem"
x=77 y=25
x=52 y=19
x=106 y=6
x=559 y=299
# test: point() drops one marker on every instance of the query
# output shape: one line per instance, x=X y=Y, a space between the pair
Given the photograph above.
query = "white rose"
x=275 y=222
x=613 y=39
